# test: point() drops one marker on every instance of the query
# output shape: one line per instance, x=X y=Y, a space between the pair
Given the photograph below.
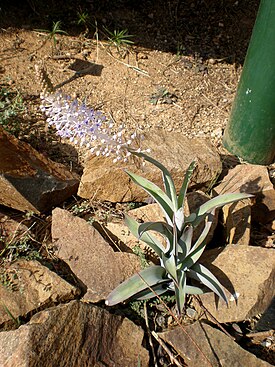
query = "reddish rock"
x=248 y=276
x=28 y=180
x=105 y=180
x=77 y=335
x=237 y=222
x=201 y=345
x=89 y=256
x=252 y=179
x=27 y=286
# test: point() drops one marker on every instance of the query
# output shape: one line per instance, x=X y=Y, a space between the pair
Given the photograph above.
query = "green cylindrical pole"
x=250 y=132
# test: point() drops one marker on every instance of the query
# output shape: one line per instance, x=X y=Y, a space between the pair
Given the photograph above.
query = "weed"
x=120 y=40
x=83 y=18
x=163 y=96
x=22 y=248
x=14 y=319
x=9 y=279
x=51 y=34
x=139 y=252
x=11 y=106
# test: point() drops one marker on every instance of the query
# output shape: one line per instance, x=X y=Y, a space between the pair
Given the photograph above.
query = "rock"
x=74 y=335
x=237 y=222
x=104 y=180
x=27 y=285
x=11 y=231
x=252 y=179
x=267 y=319
x=28 y=180
x=89 y=256
x=248 y=274
x=248 y=178
x=212 y=348
x=263 y=211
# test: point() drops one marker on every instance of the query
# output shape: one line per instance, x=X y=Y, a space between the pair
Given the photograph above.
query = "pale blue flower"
x=85 y=126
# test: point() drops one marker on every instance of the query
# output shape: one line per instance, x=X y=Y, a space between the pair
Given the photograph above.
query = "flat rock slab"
x=28 y=180
x=248 y=273
x=27 y=285
x=105 y=180
x=74 y=335
x=213 y=347
x=89 y=256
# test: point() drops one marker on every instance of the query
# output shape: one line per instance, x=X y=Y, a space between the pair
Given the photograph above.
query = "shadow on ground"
x=218 y=29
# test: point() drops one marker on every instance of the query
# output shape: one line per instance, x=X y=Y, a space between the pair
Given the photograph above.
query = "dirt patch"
x=180 y=74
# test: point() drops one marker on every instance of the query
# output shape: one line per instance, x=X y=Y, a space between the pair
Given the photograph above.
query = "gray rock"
x=105 y=180
x=26 y=286
x=74 y=335
x=248 y=274
x=89 y=256
x=28 y=180
x=202 y=345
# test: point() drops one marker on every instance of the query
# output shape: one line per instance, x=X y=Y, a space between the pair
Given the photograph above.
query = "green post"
x=250 y=132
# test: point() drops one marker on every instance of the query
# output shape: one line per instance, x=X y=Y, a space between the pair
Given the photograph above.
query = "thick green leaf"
x=179 y=219
x=199 y=246
x=192 y=257
x=185 y=241
x=170 y=265
x=167 y=178
x=156 y=193
x=153 y=291
x=207 y=227
x=147 y=277
x=180 y=291
x=185 y=184
x=150 y=240
x=160 y=227
x=193 y=290
x=215 y=203
x=201 y=273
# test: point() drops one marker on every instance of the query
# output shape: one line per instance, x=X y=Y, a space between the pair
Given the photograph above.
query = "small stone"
x=190 y=312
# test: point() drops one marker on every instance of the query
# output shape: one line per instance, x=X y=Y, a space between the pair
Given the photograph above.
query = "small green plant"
x=83 y=18
x=11 y=106
x=120 y=39
x=143 y=261
x=179 y=258
x=163 y=96
x=21 y=248
x=16 y=321
x=51 y=34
